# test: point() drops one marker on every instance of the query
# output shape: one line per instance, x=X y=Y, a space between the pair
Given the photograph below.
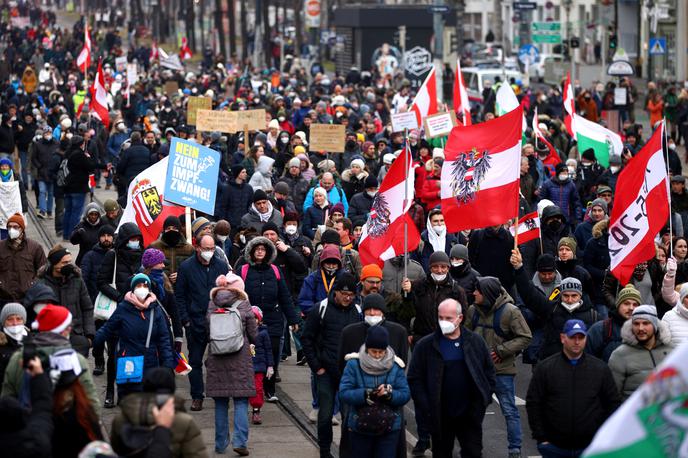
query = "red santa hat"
x=52 y=318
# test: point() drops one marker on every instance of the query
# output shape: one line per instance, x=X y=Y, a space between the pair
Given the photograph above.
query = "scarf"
x=372 y=366
x=132 y=299
x=157 y=276
x=7 y=178
x=437 y=241
x=264 y=217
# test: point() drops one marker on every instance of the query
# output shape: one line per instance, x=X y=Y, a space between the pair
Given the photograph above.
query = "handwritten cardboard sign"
x=327 y=137
x=401 y=121
x=439 y=125
x=195 y=104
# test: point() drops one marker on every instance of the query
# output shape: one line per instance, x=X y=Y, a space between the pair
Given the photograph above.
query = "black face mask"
x=171 y=238
x=67 y=270
x=350 y=144
x=554 y=225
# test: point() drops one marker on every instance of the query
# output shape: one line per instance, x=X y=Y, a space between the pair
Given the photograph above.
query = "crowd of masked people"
x=275 y=273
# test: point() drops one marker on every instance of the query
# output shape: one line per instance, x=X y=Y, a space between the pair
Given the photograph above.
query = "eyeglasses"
x=346 y=294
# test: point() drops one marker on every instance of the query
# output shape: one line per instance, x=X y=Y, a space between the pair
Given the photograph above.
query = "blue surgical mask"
x=133 y=244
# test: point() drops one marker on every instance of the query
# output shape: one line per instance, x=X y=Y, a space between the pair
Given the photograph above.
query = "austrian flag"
x=480 y=186
x=641 y=209
x=425 y=102
x=528 y=228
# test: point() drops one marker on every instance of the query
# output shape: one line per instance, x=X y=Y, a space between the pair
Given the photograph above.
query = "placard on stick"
x=439 y=125
x=194 y=104
x=251 y=119
x=401 y=121
x=171 y=88
x=327 y=137
x=216 y=121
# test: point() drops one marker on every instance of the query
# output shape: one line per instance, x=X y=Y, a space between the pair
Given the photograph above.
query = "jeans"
x=552 y=451
x=240 y=423
x=505 y=391
x=468 y=429
x=196 y=344
x=364 y=446
x=23 y=156
x=327 y=392
x=45 y=197
x=73 y=207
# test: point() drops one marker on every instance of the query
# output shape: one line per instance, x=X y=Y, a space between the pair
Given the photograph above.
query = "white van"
x=474 y=78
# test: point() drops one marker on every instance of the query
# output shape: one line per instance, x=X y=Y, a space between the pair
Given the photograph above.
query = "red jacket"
x=430 y=194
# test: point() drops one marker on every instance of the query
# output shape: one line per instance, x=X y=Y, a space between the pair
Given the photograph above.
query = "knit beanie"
x=646 y=312
x=259 y=195
x=377 y=338
x=570 y=284
x=172 y=221
x=295 y=161
x=52 y=318
x=106 y=229
x=198 y=225
x=12 y=308
x=345 y=282
x=330 y=236
x=439 y=257
x=589 y=154
x=299 y=150
x=371 y=270
x=545 y=263
x=270 y=226
x=159 y=380
x=152 y=257
x=17 y=218
x=257 y=312
x=282 y=188
x=337 y=208
x=139 y=278
x=110 y=205
x=374 y=301
x=629 y=292
x=600 y=203
x=569 y=242
x=459 y=251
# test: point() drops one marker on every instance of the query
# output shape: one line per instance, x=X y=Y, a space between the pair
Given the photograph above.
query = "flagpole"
x=665 y=146
x=406 y=177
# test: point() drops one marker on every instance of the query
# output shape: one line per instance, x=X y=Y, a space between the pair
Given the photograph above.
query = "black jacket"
x=550 y=240
x=354 y=335
x=489 y=254
x=85 y=235
x=234 y=201
x=42 y=158
x=321 y=336
x=133 y=161
x=424 y=297
x=359 y=207
x=427 y=370
x=128 y=263
x=80 y=165
x=466 y=276
x=567 y=404
x=90 y=266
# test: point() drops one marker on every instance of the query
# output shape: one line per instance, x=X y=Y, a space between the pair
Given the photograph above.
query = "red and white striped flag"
x=569 y=106
x=425 y=101
x=538 y=133
x=383 y=233
x=83 y=60
x=99 y=103
x=185 y=51
x=480 y=174
x=461 y=103
x=528 y=228
x=155 y=51
x=641 y=208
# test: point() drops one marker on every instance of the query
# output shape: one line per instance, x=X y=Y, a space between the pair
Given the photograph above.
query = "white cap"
x=438 y=152
x=302 y=136
x=274 y=124
x=358 y=162
x=388 y=158
x=338 y=100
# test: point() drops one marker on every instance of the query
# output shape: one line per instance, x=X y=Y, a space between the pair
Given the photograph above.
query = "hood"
x=39 y=292
x=348 y=175
x=125 y=232
x=265 y=165
x=93 y=206
x=48 y=341
x=627 y=336
x=137 y=409
x=550 y=211
x=600 y=228
x=329 y=252
x=490 y=289
x=269 y=247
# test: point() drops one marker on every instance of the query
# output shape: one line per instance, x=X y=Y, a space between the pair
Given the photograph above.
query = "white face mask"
x=133 y=244
x=141 y=293
x=563 y=176
x=458 y=263
x=207 y=255
x=438 y=277
x=447 y=327
x=222 y=238
x=17 y=332
x=614 y=168
x=373 y=320
x=13 y=233
x=571 y=169
x=439 y=230
x=571 y=307
x=291 y=229
x=371 y=193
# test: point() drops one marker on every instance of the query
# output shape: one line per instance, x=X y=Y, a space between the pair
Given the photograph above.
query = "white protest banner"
x=440 y=124
x=10 y=201
x=401 y=121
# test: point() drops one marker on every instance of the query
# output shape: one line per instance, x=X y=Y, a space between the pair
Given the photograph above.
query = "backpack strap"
x=607 y=330
x=150 y=327
x=322 y=308
x=496 y=321
x=244 y=271
x=276 y=270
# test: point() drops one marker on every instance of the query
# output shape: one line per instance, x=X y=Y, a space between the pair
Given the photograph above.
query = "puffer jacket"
x=42 y=158
x=262 y=359
x=604 y=336
x=85 y=234
x=266 y=291
x=135 y=424
x=232 y=375
x=72 y=293
x=262 y=177
x=19 y=266
x=565 y=196
x=131 y=325
x=90 y=265
x=677 y=320
x=517 y=335
x=355 y=381
x=313 y=289
x=313 y=217
x=234 y=201
x=133 y=161
x=631 y=363
x=128 y=263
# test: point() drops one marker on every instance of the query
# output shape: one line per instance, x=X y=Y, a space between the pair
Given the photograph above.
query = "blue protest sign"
x=192 y=172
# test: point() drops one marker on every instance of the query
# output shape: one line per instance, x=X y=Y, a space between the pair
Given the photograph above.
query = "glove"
x=270 y=372
x=369 y=397
x=178 y=346
x=671 y=266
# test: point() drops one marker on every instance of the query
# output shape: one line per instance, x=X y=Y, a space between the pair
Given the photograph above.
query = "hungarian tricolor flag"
x=383 y=233
x=185 y=51
x=461 y=104
x=641 y=209
x=528 y=228
x=425 y=102
x=146 y=205
x=99 y=103
x=592 y=135
x=480 y=174
x=83 y=60
x=569 y=106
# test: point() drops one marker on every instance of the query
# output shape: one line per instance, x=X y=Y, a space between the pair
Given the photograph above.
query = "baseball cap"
x=573 y=327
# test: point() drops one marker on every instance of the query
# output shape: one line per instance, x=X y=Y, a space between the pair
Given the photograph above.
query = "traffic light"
x=612 y=41
x=454 y=43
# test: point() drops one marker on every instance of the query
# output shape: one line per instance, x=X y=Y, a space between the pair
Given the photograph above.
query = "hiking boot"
x=109 y=400
x=300 y=358
x=255 y=417
x=420 y=448
x=99 y=369
x=514 y=453
x=241 y=451
x=197 y=405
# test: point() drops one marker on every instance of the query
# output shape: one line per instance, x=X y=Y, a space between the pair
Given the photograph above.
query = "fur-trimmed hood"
x=347 y=175
x=600 y=228
x=269 y=247
x=627 y=336
x=397 y=360
x=240 y=295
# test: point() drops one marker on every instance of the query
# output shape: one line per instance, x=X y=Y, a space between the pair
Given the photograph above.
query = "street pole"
x=438 y=29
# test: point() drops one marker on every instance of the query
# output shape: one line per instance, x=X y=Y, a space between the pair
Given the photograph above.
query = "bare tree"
x=231 y=17
x=220 y=26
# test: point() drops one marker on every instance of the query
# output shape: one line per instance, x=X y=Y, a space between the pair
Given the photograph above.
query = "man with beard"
x=605 y=336
x=174 y=245
x=595 y=213
x=646 y=343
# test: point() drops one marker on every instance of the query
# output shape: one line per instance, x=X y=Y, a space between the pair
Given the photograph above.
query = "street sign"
x=620 y=68
x=552 y=39
x=524 y=6
x=439 y=9
x=546 y=26
x=657 y=46
x=528 y=54
x=574 y=43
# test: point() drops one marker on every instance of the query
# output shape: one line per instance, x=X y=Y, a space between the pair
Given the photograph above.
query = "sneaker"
x=300 y=358
x=514 y=454
x=284 y=358
x=271 y=397
x=109 y=401
x=313 y=416
x=99 y=369
x=335 y=421
x=255 y=417
x=241 y=451
x=41 y=215
x=197 y=405
x=420 y=448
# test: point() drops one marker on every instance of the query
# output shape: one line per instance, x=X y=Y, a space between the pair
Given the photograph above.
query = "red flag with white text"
x=480 y=174
x=383 y=232
x=425 y=102
x=641 y=209
x=528 y=228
